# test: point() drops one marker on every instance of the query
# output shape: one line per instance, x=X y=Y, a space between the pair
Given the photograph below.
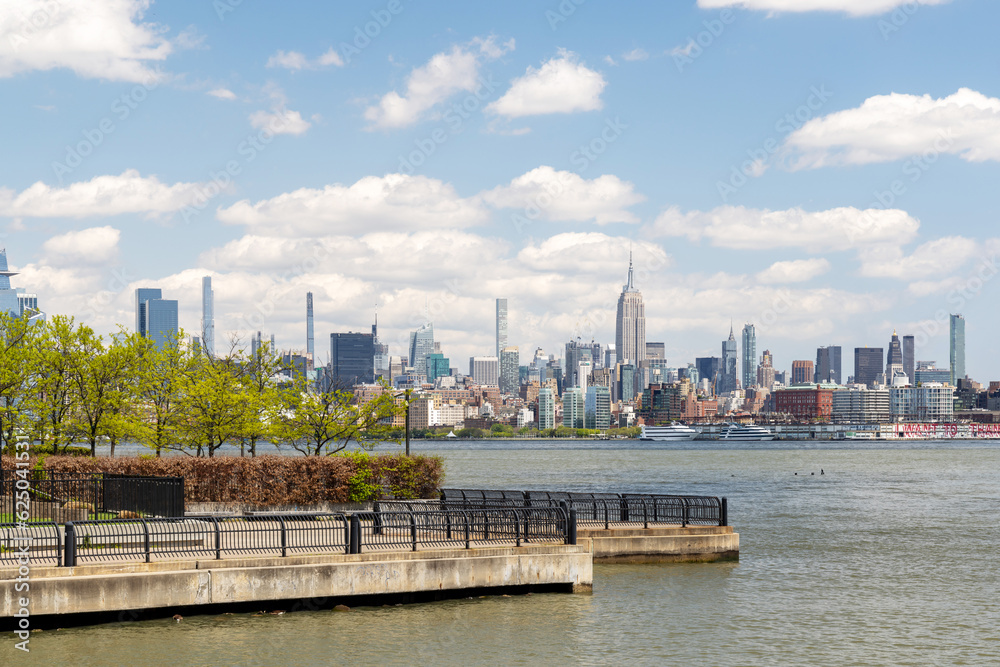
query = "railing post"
x=486 y=523
x=684 y=512
x=623 y=503
x=284 y=538
x=724 y=513
x=59 y=546
x=645 y=513
x=413 y=530
x=354 y=539
x=466 y=515
x=218 y=539
x=605 y=514
x=447 y=523
x=517 y=528
x=563 y=516
x=571 y=532
x=70 y=559
x=145 y=531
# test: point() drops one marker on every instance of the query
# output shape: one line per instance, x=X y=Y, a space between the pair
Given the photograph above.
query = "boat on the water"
x=745 y=433
x=667 y=433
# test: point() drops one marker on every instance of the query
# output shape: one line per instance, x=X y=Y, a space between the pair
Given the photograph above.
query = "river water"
x=889 y=557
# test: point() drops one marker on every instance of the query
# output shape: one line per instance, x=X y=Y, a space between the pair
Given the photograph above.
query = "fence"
x=62 y=497
x=604 y=508
x=148 y=540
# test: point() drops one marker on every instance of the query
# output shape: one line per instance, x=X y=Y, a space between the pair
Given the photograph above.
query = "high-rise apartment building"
x=956 y=339
x=749 y=355
x=709 y=368
x=438 y=366
x=485 y=371
x=828 y=364
x=310 y=338
x=765 y=371
x=576 y=352
x=573 y=408
x=546 y=408
x=207 y=316
x=421 y=344
x=729 y=379
x=510 y=360
x=352 y=358
x=802 y=371
x=867 y=364
x=501 y=326
x=142 y=295
x=630 y=323
x=597 y=408
x=160 y=320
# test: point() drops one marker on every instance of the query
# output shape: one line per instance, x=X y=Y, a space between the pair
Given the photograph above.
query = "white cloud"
x=932 y=259
x=293 y=60
x=280 y=119
x=852 y=7
x=104 y=39
x=635 y=55
x=594 y=254
x=548 y=194
x=222 y=94
x=394 y=201
x=560 y=85
x=793 y=271
x=96 y=245
x=128 y=192
x=820 y=231
x=896 y=126
x=431 y=84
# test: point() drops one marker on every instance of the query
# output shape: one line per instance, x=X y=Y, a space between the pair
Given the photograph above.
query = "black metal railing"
x=22 y=545
x=43 y=496
x=605 y=509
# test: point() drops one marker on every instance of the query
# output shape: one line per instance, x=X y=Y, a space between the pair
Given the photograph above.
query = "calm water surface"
x=889 y=558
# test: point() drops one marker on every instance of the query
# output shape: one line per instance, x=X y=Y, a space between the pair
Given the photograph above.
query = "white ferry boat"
x=673 y=432
x=741 y=433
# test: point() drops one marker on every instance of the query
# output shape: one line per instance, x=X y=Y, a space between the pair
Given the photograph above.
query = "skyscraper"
x=765 y=371
x=160 y=320
x=908 y=358
x=575 y=353
x=352 y=358
x=142 y=295
x=310 y=339
x=957 y=346
x=208 y=316
x=630 y=324
x=867 y=364
x=894 y=359
x=509 y=370
x=828 y=364
x=802 y=371
x=729 y=379
x=546 y=408
x=8 y=296
x=501 y=326
x=749 y=355
x=485 y=371
x=709 y=368
x=421 y=344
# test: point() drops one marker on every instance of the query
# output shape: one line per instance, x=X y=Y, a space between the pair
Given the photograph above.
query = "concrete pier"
x=661 y=544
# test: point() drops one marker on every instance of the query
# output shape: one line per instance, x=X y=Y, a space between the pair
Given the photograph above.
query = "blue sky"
x=746 y=151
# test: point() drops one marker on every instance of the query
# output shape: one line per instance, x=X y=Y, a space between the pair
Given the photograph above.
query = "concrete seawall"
x=114 y=587
x=662 y=544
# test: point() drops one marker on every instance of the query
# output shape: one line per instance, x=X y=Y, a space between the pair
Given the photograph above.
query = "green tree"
x=212 y=402
x=263 y=400
x=156 y=414
x=325 y=420
x=18 y=339
x=54 y=398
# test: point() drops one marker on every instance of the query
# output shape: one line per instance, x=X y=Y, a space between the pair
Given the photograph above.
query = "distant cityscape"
x=594 y=385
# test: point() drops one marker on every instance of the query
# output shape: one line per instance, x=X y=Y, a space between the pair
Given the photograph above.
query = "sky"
x=819 y=168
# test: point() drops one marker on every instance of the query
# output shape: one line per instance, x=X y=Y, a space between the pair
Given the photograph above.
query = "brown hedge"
x=272 y=480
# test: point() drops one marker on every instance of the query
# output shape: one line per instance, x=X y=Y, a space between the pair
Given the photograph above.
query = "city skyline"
x=736 y=202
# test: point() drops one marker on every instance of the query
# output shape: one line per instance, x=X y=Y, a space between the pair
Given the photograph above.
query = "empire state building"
x=630 y=326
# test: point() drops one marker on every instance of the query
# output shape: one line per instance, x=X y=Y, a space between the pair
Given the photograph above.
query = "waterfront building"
x=421 y=344
x=509 y=379
x=485 y=371
x=828 y=364
x=630 y=323
x=573 y=408
x=930 y=402
x=160 y=320
x=805 y=401
x=501 y=327
x=310 y=339
x=729 y=379
x=662 y=403
x=142 y=295
x=597 y=408
x=856 y=405
x=352 y=358
x=927 y=371
x=749 y=350
x=708 y=369
x=956 y=340
x=207 y=316
x=867 y=364
x=802 y=372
